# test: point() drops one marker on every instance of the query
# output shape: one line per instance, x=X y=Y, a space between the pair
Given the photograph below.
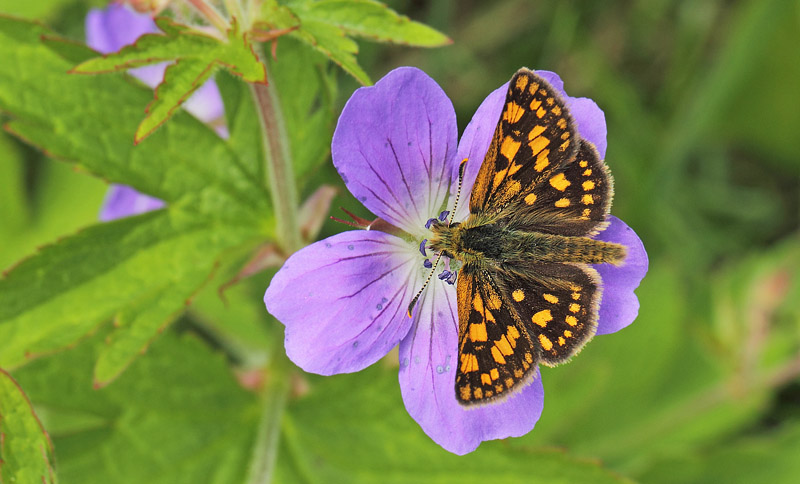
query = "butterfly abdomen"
x=498 y=245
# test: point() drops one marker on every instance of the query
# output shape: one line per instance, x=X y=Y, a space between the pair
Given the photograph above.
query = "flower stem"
x=274 y=396
x=279 y=170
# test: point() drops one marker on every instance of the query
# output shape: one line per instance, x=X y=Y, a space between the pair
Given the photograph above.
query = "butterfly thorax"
x=480 y=243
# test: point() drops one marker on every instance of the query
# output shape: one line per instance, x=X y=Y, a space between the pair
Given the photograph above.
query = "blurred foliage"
x=701 y=104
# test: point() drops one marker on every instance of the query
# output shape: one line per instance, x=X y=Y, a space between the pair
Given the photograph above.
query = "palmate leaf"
x=66 y=290
x=327 y=26
x=177 y=416
x=25 y=448
x=354 y=429
x=196 y=54
x=88 y=121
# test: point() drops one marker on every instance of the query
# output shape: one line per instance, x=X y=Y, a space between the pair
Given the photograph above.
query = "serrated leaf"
x=25 y=448
x=326 y=25
x=181 y=79
x=197 y=56
x=334 y=43
x=58 y=295
x=175 y=417
x=375 y=21
x=140 y=323
x=90 y=120
x=355 y=429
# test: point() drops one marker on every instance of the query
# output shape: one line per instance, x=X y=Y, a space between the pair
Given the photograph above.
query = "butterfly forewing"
x=496 y=355
x=557 y=304
x=534 y=137
x=573 y=201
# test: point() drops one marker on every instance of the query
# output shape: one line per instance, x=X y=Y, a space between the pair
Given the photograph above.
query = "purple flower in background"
x=109 y=30
x=343 y=300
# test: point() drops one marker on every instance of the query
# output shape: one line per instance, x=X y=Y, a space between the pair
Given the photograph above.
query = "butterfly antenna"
x=419 y=293
x=458 y=193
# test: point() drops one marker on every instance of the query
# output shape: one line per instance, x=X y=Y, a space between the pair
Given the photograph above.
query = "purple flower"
x=343 y=300
x=108 y=31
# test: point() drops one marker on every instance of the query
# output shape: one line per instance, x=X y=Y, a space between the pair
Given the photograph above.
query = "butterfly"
x=526 y=290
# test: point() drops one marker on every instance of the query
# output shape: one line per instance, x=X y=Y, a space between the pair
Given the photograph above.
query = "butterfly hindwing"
x=558 y=306
x=534 y=137
x=573 y=201
x=496 y=355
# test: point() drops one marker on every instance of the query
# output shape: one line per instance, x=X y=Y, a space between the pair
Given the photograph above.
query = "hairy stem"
x=278 y=159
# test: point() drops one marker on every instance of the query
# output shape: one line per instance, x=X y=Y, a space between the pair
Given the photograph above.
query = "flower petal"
x=343 y=300
x=428 y=361
x=619 y=305
x=395 y=145
x=124 y=201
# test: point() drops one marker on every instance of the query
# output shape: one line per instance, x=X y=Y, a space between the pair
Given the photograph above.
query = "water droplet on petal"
x=379 y=307
x=355 y=344
x=405 y=362
x=383 y=299
x=439 y=369
x=416 y=360
x=327 y=246
x=350 y=247
x=447 y=368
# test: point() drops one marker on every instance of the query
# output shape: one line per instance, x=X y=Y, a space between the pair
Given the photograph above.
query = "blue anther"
x=428 y=264
x=452 y=279
x=444 y=275
x=430 y=222
x=443 y=215
x=422 y=247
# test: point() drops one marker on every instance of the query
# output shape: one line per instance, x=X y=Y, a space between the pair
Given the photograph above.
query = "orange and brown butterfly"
x=527 y=293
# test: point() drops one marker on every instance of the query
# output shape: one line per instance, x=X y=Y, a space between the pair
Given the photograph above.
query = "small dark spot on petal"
x=379 y=307
x=350 y=247
x=355 y=344
x=327 y=246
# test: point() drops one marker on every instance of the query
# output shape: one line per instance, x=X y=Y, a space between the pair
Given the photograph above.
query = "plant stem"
x=274 y=396
x=278 y=159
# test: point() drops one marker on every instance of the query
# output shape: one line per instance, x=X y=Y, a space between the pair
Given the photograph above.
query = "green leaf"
x=328 y=24
x=140 y=322
x=89 y=121
x=375 y=21
x=197 y=56
x=25 y=448
x=355 y=429
x=334 y=43
x=307 y=92
x=56 y=296
x=769 y=457
x=177 y=416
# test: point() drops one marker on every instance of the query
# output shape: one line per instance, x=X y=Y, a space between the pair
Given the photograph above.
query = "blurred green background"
x=702 y=102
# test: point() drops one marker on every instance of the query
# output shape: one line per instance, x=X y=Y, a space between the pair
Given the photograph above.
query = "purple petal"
x=116 y=26
x=343 y=300
x=475 y=141
x=124 y=201
x=394 y=147
x=428 y=362
x=619 y=305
